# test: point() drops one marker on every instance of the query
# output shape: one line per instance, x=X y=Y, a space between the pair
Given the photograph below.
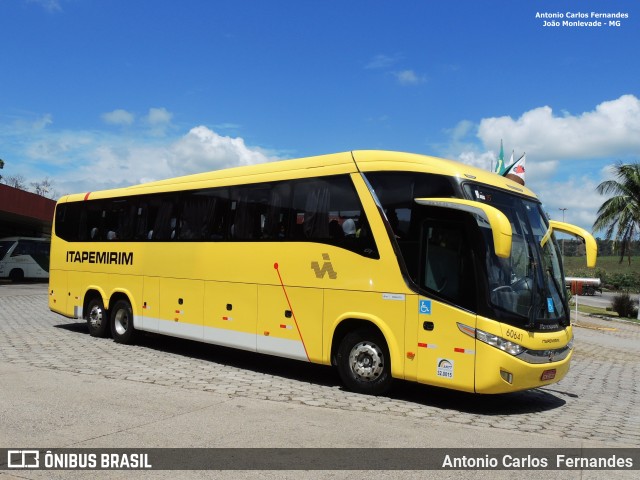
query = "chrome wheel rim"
x=95 y=317
x=366 y=361
x=121 y=321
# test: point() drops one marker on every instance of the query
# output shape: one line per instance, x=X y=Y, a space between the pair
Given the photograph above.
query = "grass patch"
x=601 y=312
x=623 y=277
x=595 y=311
x=577 y=266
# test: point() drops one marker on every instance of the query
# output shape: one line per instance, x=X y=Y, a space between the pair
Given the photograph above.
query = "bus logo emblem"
x=327 y=267
x=23 y=458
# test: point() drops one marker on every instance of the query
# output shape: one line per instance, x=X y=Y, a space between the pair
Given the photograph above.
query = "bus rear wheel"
x=363 y=362
x=16 y=275
x=97 y=318
x=122 y=329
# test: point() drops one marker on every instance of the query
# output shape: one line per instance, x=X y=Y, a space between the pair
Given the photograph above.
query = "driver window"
x=447 y=270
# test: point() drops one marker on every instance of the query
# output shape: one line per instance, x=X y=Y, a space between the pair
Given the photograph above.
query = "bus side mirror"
x=494 y=218
x=591 y=247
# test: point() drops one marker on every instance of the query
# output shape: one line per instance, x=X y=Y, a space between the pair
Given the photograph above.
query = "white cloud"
x=43 y=122
x=118 y=117
x=566 y=154
x=409 y=78
x=159 y=119
x=200 y=150
x=159 y=116
x=461 y=130
x=611 y=129
x=381 y=62
x=203 y=149
x=57 y=149
x=49 y=5
x=577 y=194
x=485 y=160
x=385 y=63
x=83 y=161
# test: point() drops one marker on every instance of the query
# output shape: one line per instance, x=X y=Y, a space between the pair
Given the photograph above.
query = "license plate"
x=548 y=375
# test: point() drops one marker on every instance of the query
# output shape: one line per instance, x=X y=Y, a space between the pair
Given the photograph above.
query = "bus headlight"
x=499 y=342
x=512 y=348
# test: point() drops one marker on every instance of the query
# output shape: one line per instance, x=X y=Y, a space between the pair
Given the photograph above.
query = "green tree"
x=619 y=216
x=1 y=166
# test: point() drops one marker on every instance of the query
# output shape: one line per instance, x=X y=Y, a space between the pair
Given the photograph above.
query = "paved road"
x=59 y=387
x=600 y=300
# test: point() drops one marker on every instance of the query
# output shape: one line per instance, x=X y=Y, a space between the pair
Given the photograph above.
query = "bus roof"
x=15 y=239
x=332 y=164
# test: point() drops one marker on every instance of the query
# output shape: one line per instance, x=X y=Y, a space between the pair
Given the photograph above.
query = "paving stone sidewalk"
x=599 y=400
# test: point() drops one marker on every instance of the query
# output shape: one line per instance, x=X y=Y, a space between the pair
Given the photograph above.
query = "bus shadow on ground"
x=517 y=403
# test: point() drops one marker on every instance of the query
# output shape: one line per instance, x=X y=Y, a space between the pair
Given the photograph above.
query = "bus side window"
x=251 y=206
x=328 y=210
x=193 y=218
x=162 y=225
x=218 y=219
x=91 y=221
x=277 y=217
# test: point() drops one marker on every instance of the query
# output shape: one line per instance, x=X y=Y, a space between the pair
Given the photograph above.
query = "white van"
x=24 y=257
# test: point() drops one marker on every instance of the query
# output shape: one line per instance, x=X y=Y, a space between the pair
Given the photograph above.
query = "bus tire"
x=122 y=329
x=16 y=275
x=97 y=318
x=363 y=362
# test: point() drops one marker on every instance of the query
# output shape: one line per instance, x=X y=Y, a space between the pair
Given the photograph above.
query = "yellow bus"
x=384 y=264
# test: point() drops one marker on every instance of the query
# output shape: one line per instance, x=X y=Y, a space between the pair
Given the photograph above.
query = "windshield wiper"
x=535 y=304
x=535 y=307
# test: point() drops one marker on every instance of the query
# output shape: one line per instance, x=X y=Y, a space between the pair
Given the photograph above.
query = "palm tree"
x=620 y=214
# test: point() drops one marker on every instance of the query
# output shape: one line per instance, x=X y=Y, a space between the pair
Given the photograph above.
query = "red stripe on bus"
x=293 y=313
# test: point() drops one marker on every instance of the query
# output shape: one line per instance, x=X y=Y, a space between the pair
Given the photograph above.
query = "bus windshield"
x=4 y=247
x=530 y=282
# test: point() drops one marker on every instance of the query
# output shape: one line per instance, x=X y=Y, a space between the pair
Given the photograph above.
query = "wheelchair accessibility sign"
x=425 y=307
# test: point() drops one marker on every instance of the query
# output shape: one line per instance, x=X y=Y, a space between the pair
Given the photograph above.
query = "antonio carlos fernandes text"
x=532 y=462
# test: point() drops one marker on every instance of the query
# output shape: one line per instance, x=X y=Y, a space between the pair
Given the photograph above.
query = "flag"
x=516 y=170
x=500 y=168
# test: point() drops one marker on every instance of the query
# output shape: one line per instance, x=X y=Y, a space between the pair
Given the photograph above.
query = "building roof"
x=24 y=213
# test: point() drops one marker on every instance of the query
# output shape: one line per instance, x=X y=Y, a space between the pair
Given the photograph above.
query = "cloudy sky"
x=100 y=94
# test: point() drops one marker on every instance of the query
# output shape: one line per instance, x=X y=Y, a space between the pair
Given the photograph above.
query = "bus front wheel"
x=122 y=329
x=363 y=362
x=97 y=319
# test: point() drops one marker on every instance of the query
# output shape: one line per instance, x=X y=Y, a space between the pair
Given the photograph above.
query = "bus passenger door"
x=446 y=354
x=290 y=322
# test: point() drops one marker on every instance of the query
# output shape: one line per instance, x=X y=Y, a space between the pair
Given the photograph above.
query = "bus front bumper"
x=500 y=372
